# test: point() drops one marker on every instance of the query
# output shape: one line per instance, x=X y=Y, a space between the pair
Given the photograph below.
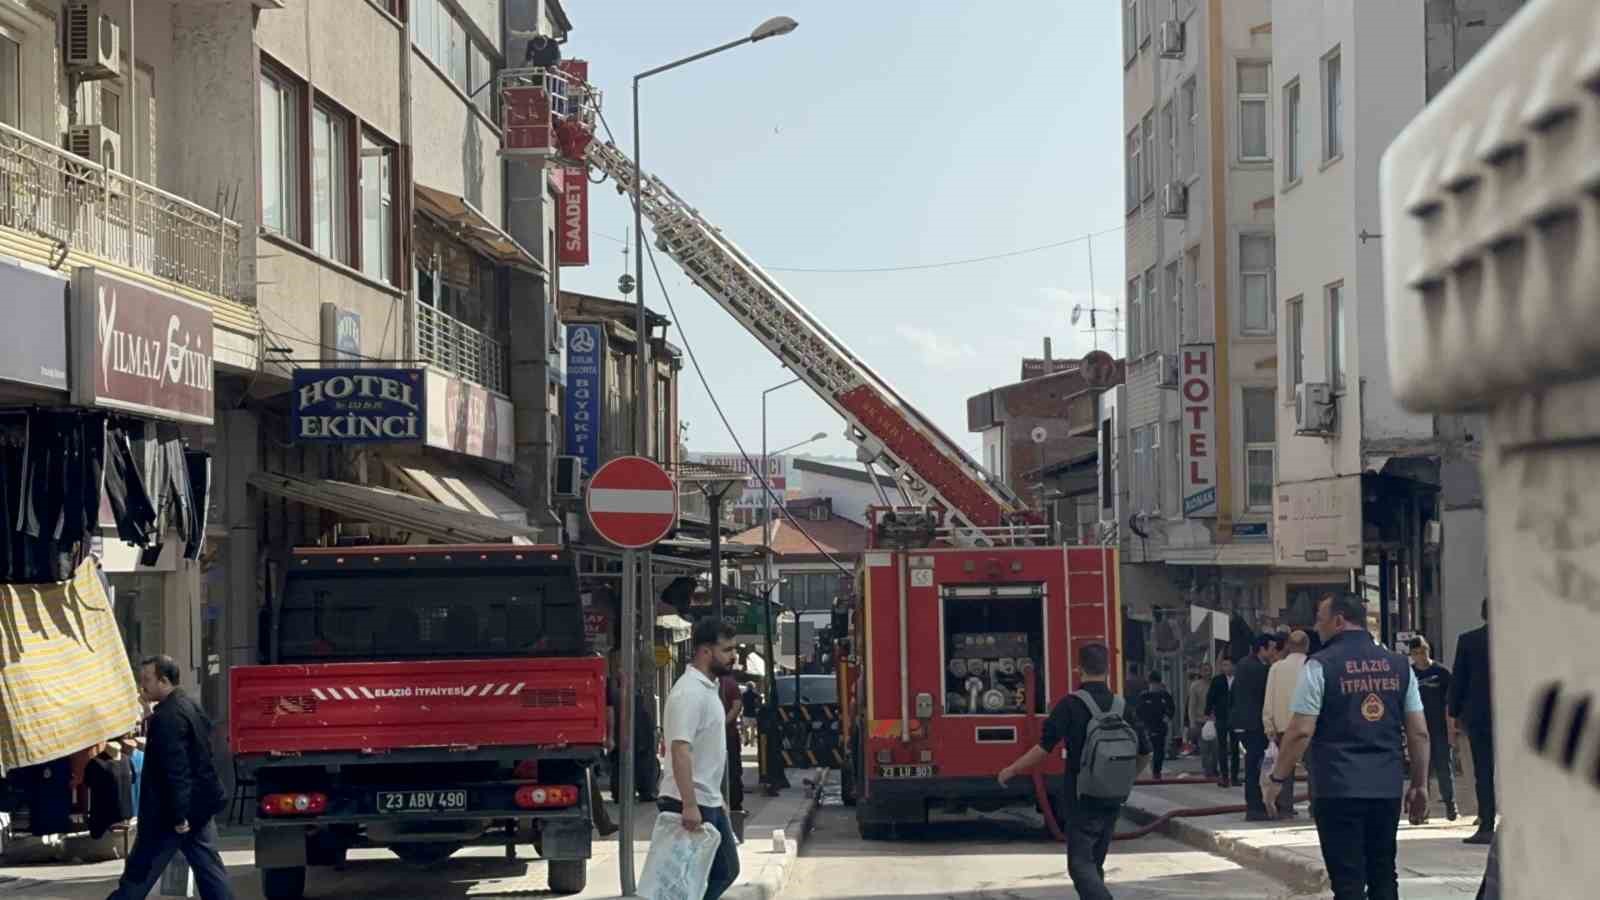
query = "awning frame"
x=472 y=227
x=400 y=510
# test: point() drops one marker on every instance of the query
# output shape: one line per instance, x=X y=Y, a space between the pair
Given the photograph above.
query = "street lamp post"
x=774 y=27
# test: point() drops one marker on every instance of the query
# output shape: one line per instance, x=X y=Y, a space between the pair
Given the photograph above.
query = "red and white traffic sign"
x=632 y=502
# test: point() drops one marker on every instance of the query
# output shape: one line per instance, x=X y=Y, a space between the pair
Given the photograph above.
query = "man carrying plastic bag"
x=685 y=857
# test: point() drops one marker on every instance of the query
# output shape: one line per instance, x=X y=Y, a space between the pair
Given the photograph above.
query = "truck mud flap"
x=280 y=848
x=565 y=838
x=809 y=735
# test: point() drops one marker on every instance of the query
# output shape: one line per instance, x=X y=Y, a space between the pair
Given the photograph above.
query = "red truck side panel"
x=394 y=705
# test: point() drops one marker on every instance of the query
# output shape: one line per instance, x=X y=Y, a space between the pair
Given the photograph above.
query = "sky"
x=878 y=134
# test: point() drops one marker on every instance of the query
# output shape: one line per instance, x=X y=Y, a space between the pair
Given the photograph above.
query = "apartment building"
x=1192 y=440
x=1364 y=486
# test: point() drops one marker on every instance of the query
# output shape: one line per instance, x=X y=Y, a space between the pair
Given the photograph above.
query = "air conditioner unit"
x=94 y=42
x=1175 y=200
x=1314 y=409
x=569 y=477
x=96 y=143
x=1171 y=38
x=1167 y=377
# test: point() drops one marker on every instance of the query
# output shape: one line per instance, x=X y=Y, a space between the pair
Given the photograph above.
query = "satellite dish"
x=1039 y=434
x=1077 y=313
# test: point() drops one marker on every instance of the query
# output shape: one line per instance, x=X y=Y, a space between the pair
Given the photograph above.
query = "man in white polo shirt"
x=697 y=746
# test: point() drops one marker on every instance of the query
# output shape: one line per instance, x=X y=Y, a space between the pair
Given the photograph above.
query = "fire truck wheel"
x=283 y=884
x=847 y=785
x=569 y=876
x=425 y=853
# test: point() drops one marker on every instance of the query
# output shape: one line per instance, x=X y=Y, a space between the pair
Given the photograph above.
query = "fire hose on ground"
x=1042 y=795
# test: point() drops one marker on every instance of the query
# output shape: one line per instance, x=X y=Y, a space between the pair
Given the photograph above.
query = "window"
x=1297 y=342
x=1291 y=132
x=1253 y=81
x=447 y=42
x=377 y=210
x=1144 y=22
x=1169 y=130
x=1255 y=281
x=1149 y=154
x=1156 y=465
x=1185 y=8
x=811 y=590
x=1130 y=30
x=460 y=50
x=330 y=214
x=1169 y=469
x=10 y=82
x=1152 y=312
x=482 y=74
x=280 y=155
x=1332 y=108
x=1135 y=302
x=1172 y=308
x=1336 y=335
x=110 y=108
x=1260 y=446
x=1191 y=303
x=1133 y=170
x=1191 y=125
x=1144 y=468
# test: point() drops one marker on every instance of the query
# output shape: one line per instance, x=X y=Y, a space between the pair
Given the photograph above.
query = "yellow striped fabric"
x=65 y=681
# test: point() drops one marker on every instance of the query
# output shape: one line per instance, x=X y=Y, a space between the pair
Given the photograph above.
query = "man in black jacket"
x=179 y=791
x=1219 y=701
x=1469 y=708
x=1249 y=696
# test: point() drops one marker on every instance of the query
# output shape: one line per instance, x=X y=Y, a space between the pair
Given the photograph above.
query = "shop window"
x=992 y=646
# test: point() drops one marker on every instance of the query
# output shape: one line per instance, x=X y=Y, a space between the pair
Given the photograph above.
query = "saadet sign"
x=1197 y=389
x=574 y=249
x=140 y=350
x=359 y=406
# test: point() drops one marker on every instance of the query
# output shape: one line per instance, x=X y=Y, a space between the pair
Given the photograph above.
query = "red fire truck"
x=421 y=699
x=969 y=612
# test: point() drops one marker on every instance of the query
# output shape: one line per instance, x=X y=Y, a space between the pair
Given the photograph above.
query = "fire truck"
x=968 y=614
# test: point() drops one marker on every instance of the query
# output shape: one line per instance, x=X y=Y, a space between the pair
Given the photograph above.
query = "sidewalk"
x=1433 y=863
x=475 y=871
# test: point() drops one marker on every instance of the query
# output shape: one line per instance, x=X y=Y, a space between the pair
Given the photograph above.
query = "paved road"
x=1003 y=858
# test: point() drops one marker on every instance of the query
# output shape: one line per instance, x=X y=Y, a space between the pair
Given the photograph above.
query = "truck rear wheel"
x=283 y=884
x=569 y=876
x=426 y=853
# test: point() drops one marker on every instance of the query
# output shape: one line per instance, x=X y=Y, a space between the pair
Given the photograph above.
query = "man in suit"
x=1249 y=696
x=1470 y=697
x=179 y=791
x=1219 y=701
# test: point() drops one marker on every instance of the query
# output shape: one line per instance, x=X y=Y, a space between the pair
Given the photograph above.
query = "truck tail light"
x=300 y=804
x=546 y=796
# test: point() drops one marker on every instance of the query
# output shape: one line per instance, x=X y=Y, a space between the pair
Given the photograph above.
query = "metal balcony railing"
x=84 y=206
x=458 y=348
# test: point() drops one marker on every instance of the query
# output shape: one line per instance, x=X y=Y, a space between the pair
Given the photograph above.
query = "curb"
x=1295 y=870
x=767 y=882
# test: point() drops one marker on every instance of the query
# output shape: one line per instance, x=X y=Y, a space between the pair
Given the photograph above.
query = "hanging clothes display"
x=131 y=506
x=199 y=466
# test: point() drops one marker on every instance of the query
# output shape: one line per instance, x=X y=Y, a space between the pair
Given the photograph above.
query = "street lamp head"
x=819 y=435
x=773 y=27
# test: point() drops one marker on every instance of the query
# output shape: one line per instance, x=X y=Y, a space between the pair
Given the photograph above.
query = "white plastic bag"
x=1269 y=763
x=1208 y=731
x=679 y=863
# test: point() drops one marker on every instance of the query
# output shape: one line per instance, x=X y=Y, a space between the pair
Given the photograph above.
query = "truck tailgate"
x=394 y=705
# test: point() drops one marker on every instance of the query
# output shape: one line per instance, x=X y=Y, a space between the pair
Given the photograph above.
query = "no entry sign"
x=632 y=502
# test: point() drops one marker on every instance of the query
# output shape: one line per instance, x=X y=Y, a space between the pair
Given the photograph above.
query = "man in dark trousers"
x=1358 y=708
x=1249 y=696
x=1155 y=709
x=179 y=791
x=1219 y=703
x=1433 y=682
x=1470 y=697
x=1089 y=821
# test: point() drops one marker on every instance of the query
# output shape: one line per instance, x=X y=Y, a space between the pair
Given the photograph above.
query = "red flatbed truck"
x=422 y=699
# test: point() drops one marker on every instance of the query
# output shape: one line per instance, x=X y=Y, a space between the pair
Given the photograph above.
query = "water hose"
x=1040 y=793
x=1184 y=814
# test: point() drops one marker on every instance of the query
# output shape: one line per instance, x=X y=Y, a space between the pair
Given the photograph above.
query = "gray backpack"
x=1110 y=756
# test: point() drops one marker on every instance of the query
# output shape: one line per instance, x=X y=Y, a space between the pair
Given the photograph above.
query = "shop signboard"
x=1198 y=403
x=777 y=469
x=341 y=334
x=358 y=406
x=585 y=392
x=33 y=344
x=574 y=244
x=468 y=418
x=140 y=350
x=1318 y=523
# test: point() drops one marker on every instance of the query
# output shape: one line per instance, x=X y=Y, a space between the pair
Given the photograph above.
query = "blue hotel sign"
x=585 y=393
x=359 y=406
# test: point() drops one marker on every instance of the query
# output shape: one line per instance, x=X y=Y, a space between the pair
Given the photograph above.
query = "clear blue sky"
x=877 y=134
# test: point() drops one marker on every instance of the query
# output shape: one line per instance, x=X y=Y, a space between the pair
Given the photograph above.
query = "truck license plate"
x=421 y=801
x=906 y=771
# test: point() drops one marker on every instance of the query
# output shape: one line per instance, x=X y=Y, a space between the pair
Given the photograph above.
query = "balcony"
x=459 y=349
x=83 y=207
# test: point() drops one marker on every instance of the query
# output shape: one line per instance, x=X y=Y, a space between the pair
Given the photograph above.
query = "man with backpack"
x=1155 y=709
x=1106 y=751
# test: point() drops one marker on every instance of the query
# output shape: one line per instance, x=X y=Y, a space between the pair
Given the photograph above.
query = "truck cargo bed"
x=380 y=706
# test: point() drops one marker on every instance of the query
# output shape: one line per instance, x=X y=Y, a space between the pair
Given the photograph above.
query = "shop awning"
x=375 y=504
x=459 y=489
x=65 y=682
x=475 y=229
